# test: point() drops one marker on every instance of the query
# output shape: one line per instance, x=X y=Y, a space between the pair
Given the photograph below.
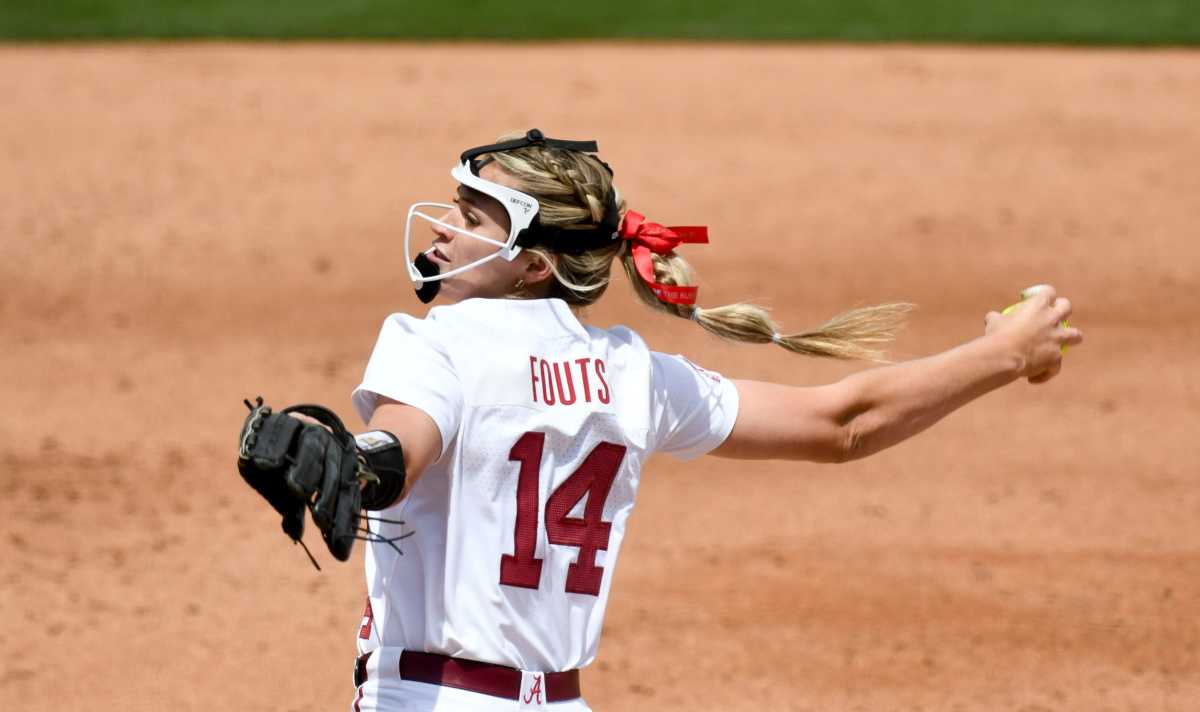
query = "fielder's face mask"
x=525 y=230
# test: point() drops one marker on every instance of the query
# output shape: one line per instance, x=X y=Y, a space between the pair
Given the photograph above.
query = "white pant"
x=385 y=691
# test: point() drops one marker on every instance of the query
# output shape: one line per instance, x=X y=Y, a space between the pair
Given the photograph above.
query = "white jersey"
x=516 y=529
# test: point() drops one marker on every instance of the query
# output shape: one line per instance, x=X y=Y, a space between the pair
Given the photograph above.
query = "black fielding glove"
x=296 y=466
x=263 y=461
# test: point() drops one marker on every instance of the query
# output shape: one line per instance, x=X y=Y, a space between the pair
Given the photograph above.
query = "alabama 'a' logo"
x=535 y=690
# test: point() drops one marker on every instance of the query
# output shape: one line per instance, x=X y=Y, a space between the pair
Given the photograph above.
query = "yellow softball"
x=1025 y=295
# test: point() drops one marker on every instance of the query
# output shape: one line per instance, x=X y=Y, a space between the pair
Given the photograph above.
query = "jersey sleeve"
x=411 y=365
x=693 y=409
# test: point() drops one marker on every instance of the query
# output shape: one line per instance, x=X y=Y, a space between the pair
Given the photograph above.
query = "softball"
x=1025 y=294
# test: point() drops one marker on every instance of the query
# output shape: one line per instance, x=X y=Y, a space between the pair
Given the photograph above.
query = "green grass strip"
x=1115 y=22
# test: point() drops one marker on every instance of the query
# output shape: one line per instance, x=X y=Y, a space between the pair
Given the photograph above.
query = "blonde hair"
x=573 y=188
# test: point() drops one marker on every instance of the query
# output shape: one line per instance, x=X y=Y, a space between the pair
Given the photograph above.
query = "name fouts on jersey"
x=514 y=532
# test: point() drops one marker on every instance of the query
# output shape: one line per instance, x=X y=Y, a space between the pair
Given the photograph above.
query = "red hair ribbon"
x=651 y=237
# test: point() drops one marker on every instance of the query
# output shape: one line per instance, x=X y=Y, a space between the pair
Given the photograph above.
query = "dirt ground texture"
x=186 y=225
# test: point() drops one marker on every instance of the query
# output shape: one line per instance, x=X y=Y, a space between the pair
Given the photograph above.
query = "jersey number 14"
x=594 y=478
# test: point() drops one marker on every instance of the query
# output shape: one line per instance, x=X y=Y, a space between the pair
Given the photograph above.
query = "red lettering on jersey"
x=547 y=382
x=601 y=393
x=555 y=380
x=535 y=690
x=533 y=379
x=587 y=392
x=364 y=631
x=593 y=479
x=562 y=396
x=522 y=568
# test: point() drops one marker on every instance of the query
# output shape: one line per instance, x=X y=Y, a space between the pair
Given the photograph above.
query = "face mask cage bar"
x=415 y=212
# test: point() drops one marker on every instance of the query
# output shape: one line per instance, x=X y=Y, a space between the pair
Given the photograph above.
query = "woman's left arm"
x=418 y=434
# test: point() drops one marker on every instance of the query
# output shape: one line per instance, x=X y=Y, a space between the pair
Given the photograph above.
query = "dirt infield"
x=184 y=226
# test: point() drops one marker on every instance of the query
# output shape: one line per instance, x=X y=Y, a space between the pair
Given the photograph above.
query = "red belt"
x=475 y=676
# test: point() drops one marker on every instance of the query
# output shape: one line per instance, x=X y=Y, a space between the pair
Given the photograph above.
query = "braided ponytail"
x=850 y=335
x=572 y=189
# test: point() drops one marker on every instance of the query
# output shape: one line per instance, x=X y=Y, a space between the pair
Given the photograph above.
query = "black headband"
x=533 y=137
x=565 y=240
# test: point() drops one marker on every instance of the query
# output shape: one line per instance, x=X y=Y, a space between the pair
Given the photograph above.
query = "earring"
x=519 y=285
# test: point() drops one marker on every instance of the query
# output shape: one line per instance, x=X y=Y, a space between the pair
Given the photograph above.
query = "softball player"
x=524 y=431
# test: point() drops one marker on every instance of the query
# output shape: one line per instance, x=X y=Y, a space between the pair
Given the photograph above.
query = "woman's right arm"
x=875 y=409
